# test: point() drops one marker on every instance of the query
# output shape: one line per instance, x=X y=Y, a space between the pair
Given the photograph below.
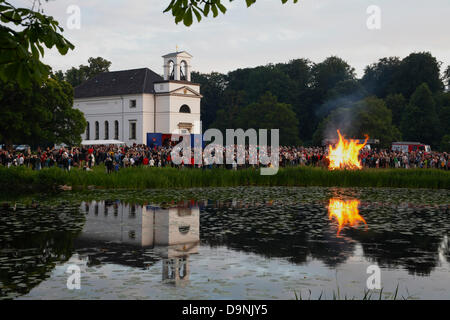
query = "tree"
x=442 y=99
x=445 y=143
x=369 y=116
x=447 y=76
x=96 y=66
x=332 y=73
x=415 y=69
x=256 y=81
x=227 y=116
x=378 y=77
x=397 y=103
x=420 y=121
x=76 y=76
x=268 y=113
x=300 y=74
x=58 y=75
x=328 y=73
x=444 y=118
x=314 y=91
x=22 y=39
x=43 y=112
x=343 y=93
x=213 y=86
x=183 y=10
x=290 y=82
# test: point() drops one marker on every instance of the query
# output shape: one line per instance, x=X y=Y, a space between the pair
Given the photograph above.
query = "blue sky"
x=136 y=33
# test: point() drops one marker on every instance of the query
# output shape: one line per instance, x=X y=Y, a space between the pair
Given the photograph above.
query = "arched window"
x=88 y=136
x=171 y=70
x=183 y=70
x=185 y=109
x=106 y=130
x=97 y=131
x=116 y=130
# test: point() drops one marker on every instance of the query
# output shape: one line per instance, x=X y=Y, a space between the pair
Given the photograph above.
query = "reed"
x=368 y=295
x=21 y=179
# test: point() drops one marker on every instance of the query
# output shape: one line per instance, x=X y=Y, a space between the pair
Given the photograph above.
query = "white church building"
x=126 y=105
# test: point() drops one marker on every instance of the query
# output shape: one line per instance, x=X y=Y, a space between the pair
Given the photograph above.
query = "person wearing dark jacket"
x=109 y=164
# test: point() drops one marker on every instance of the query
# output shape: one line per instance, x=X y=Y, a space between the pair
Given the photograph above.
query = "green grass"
x=368 y=295
x=20 y=179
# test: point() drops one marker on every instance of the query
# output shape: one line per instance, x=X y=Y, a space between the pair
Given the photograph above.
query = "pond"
x=228 y=243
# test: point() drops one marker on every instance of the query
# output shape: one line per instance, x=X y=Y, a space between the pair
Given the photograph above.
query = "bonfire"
x=345 y=154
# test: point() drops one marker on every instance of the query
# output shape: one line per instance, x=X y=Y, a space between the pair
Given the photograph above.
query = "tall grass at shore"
x=22 y=179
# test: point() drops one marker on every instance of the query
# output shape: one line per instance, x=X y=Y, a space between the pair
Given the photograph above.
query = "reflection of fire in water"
x=345 y=213
x=345 y=154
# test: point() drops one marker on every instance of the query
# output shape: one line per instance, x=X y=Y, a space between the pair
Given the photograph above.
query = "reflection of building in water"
x=176 y=270
x=173 y=233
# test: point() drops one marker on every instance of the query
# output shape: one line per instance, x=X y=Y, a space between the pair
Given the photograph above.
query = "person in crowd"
x=109 y=165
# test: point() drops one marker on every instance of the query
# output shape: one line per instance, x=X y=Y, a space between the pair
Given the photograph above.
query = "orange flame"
x=345 y=213
x=345 y=154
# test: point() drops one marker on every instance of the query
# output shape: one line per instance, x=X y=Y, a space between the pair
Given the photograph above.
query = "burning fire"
x=345 y=154
x=345 y=213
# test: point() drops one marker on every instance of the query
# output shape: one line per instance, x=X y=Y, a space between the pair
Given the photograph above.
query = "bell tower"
x=177 y=66
x=177 y=98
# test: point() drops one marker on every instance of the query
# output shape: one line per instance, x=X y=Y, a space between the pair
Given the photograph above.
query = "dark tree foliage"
x=379 y=77
x=444 y=118
x=343 y=93
x=312 y=90
x=186 y=10
x=397 y=103
x=420 y=121
x=23 y=34
x=415 y=69
x=443 y=111
x=212 y=86
x=369 y=116
x=328 y=73
x=43 y=112
x=266 y=113
x=315 y=91
x=447 y=77
x=392 y=75
x=445 y=143
x=75 y=76
x=227 y=116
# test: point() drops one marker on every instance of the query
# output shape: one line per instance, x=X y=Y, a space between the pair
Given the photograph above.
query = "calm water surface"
x=265 y=246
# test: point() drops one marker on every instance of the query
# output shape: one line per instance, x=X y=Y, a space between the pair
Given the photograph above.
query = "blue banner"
x=154 y=139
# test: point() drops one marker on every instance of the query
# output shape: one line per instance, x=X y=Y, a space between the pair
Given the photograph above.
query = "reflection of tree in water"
x=101 y=252
x=332 y=250
x=291 y=232
x=417 y=253
x=407 y=237
x=411 y=237
x=32 y=243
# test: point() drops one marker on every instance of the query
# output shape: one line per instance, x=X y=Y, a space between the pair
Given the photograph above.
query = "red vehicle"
x=410 y=147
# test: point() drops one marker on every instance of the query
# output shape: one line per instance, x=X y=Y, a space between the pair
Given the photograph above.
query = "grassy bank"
x=21 y=179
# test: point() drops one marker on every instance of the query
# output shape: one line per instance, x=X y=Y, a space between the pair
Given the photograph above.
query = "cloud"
x=136 y=33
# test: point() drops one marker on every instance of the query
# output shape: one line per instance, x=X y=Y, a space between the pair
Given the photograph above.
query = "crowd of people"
x=115 y=157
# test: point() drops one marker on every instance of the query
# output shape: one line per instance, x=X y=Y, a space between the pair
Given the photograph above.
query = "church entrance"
x=185 y=127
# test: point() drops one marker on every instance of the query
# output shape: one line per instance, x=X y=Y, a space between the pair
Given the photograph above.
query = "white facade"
x=173 y=107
